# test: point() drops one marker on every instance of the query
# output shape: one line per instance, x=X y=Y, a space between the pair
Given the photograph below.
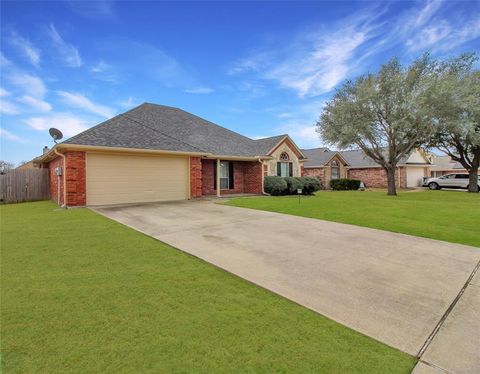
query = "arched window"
x=284 y=167
x=335 y=170
x=284 y=156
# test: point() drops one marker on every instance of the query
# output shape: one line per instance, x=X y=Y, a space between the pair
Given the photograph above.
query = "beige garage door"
x=120 y=179
x=414 y=176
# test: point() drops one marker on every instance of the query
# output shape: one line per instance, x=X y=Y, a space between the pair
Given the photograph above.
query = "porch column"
x=218 y=177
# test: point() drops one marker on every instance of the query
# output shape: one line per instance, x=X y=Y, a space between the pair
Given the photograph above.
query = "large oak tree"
x=378 y=113
x=453 y=105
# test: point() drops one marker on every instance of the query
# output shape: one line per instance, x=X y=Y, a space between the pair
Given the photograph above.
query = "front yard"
x=81 y=293
x=451 y=216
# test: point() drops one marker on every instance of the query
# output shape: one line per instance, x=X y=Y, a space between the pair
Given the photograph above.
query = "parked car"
x=449 y=181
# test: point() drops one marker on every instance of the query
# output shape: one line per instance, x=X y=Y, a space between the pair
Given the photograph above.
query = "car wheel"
x=433 y=186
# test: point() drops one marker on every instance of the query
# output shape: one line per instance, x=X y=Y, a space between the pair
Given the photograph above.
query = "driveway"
x=392 y=287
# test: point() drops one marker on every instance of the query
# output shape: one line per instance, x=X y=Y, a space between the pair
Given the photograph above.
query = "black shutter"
x=279 y=169
x=230 y=176
x=214 y=175
x=290 y=167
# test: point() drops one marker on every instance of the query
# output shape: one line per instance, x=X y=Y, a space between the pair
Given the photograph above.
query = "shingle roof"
x=354 y=158
x=445 y=163
x=317 y=156
x=152 y=126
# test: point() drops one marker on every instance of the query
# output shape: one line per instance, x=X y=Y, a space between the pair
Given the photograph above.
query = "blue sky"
x=258 y=68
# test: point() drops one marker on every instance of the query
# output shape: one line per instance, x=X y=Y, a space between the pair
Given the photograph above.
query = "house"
x=327 y=165
x=442 y=165
x=160 y=153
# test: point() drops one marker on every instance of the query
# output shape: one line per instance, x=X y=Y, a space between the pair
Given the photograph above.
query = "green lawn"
x=81 y=293
x=452 y=216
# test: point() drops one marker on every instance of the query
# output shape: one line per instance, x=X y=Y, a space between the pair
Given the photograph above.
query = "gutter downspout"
x=263 y=178
x=64 y=174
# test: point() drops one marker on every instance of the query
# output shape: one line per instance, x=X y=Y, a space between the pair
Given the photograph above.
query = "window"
x=335 y=170
x=461 y=176
x=226 y=175
x=284 y=167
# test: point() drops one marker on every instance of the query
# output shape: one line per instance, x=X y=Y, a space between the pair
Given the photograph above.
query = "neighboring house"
x=160 y=153
x=442 y=165
x=327 y=165
x=26 y=165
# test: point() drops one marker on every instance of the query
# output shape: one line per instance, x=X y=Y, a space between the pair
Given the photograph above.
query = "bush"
x=344 y=184
x=310 y=185
x=293 y=184
x=275 y=186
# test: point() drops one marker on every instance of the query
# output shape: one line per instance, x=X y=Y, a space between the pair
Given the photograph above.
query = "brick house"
x=327 y=165
x=159 y=153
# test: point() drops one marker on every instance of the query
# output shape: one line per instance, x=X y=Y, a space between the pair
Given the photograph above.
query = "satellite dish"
x=56 y=134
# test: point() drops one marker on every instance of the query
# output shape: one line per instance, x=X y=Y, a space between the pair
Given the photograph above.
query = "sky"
x=258 y=68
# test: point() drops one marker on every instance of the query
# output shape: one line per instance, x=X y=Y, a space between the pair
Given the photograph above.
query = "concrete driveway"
x=393 y=287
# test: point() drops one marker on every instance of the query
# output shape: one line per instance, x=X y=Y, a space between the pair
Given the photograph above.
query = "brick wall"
x=75 y=175
x=195 y=177
x=253 y=177
x=76 y=179
x=377 y=177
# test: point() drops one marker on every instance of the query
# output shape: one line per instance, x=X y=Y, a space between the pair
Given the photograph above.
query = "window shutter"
x=214 y=175
x=230 y=175
x=290 y=171
x=279 y=169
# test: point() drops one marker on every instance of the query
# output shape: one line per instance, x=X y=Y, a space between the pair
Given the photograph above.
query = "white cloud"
x=10 y=136
x=25 y=47
x=98 y=9
x=4 y=92
x=29 y=84
x=443 y=35
x=199 y=90
x=67 y=122
x=128 y=103
x=4 y=61
x=8 y=108
x=100 y=67
x=37 y=104
x=80 y=101
x=67 y=52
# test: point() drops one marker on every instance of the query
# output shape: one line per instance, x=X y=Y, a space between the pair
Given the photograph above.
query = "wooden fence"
x=24 y=185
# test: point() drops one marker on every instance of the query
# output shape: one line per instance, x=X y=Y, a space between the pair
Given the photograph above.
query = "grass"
x=82 y=293
x=451 y=216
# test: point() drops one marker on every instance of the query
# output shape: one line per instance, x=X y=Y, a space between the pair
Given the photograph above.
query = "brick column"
x=76 y=178
x=195 y=177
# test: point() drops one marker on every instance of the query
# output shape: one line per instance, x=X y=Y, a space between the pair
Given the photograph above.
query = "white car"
x=449 y=181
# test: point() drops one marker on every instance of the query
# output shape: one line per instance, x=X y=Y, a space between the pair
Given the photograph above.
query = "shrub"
x=344 y=184
x=310 y=185
x=293 y=184
x=275 y=186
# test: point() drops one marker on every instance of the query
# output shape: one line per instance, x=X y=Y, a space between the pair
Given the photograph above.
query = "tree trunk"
x=392 y=188
x=473 y=180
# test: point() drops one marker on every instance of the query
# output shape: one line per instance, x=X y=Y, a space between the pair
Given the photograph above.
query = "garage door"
x=120 y=179
x=414 y=176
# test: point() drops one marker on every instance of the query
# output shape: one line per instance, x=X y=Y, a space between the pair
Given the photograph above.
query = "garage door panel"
x=414 y=176
x=118 y=179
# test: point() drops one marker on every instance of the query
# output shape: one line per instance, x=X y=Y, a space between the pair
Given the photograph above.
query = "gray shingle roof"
x=445 y=163
x=152 y=126
x=354 y=158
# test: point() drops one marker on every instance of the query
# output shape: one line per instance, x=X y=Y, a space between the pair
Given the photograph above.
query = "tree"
x=6 y=166
x=378 y=113
x=453 y=104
